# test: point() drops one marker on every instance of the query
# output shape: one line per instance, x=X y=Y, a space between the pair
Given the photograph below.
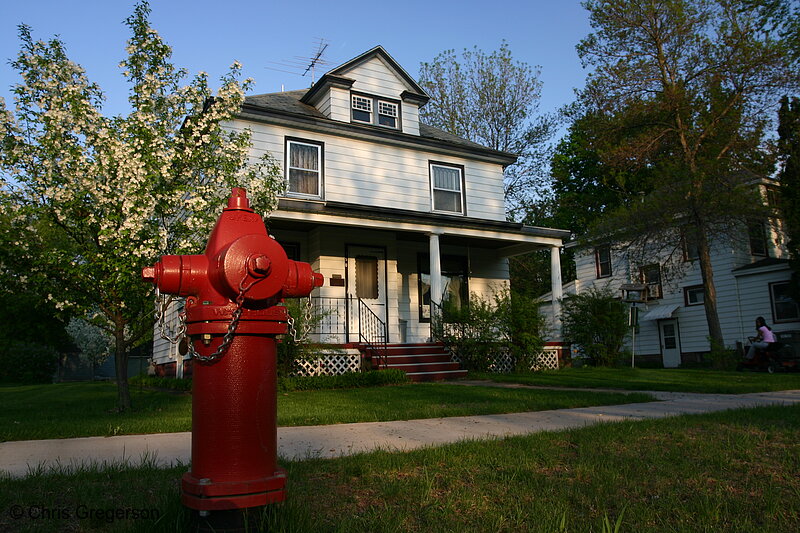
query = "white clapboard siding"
x=380 y=175
x=374 y=77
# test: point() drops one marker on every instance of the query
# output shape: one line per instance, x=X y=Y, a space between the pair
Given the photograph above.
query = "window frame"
x=375 y=110
x=775 y=319
x=320 y=146
x=689 y=242
x=757 y=232
x=643 y=270
x=433 y=188
x=691 y=288
x=598 y=262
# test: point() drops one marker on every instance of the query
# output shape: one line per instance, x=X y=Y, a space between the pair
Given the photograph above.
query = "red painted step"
x=423 y=362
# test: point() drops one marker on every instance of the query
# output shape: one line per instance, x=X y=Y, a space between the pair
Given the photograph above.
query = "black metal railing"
x=372 y=333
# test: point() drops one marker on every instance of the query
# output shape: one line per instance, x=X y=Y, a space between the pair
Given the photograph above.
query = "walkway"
x=165 y=449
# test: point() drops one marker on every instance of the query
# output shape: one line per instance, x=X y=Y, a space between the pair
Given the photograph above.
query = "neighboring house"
x=751 y=276
x=395 y=214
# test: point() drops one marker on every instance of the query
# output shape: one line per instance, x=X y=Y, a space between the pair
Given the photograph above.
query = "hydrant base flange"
x=206 y=495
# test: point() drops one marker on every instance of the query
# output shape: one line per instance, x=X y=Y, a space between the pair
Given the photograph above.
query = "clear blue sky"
x=209 y=36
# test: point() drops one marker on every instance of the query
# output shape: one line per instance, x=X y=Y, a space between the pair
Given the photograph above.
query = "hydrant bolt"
x=259 y=266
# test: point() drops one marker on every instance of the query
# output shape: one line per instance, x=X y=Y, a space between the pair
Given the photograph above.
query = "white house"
x=395 y=214
x=751 y=276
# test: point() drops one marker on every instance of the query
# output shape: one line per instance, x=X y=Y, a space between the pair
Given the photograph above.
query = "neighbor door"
x=670 y=343
x=366 y=281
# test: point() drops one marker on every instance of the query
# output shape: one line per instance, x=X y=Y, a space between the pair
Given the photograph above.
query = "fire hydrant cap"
x=238 y=199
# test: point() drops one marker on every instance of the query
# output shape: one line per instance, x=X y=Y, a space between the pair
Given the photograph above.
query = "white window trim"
x=292 y=194
x=353 y=107
x=462 y=192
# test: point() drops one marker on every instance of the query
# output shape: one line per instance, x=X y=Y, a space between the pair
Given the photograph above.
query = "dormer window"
x=364 y=107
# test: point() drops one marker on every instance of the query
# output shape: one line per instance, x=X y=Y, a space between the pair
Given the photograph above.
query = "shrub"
x=27 y=362
x=482 y=330
x=722 y=358
x=596 y=321
x=291 y=349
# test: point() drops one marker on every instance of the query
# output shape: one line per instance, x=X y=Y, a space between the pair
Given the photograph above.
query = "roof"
x=291 y=104
x=768 y=263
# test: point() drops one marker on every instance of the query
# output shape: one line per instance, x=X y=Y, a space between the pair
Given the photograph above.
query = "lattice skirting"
x=504 y=363
x=328 y=365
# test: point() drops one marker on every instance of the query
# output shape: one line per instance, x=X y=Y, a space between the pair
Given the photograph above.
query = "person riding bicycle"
x=762 y=340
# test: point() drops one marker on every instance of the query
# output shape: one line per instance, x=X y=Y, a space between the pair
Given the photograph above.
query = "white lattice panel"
x=548 y=359
x=328 y=365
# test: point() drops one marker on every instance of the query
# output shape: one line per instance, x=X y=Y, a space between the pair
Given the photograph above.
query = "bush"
x=596 y=321
x=722 y=358
x=482 y=330
x=27 y=362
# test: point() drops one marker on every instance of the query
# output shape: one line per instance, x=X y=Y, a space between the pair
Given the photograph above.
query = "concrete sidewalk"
x=165 y=449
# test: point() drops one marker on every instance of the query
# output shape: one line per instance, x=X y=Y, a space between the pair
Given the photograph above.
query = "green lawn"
x=87 y=409
x=734 y=471
x=678 y=380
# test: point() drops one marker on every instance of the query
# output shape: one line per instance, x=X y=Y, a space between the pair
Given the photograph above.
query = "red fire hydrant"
x=232 y=319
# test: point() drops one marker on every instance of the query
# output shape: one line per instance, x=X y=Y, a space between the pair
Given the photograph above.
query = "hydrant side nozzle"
x=149 y=274
x=319 y=279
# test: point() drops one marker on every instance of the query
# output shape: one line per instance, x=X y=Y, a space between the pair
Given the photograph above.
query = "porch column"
x=436 y=271
x=556 y=286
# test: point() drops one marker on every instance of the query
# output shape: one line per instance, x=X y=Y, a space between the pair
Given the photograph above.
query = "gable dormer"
x=371 y=90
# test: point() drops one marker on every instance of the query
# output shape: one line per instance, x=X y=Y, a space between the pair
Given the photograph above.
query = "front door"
x=366 y=280
x=670 y=343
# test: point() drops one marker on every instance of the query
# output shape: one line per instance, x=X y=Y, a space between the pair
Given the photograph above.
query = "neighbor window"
x=784 y=306
x=691 y=251
x=695 y=295
x=602 y=257
x=373 y=110
x=304 y=168
x=758 y=239
x=447 y=188
x=651 y=276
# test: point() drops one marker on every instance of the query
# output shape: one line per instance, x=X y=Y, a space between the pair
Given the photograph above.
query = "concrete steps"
x=423 y=362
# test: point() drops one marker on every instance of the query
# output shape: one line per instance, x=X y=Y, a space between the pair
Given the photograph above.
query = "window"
x=602 y=257
x=784 y=306
x=363 y=109
x=651 y=276
x=455 y=283
x=292 y=250
x=367 y=277
x=691 y=251
x=447 y=189
x=758 y=239
x=694 y=295
x=304 y=168
x=773 y=197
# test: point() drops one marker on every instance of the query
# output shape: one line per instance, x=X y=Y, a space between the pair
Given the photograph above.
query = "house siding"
x=379 y=175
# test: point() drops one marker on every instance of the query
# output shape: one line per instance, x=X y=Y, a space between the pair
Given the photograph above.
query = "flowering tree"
x=93 y=199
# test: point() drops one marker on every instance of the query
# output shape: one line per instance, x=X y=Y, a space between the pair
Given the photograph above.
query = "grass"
x=88 y=409
x=677 y=380
x=730 y=471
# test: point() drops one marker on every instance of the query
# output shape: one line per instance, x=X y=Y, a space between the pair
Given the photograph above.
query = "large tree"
x=493 y=100
x=93 y=199
x=789 y=153
x=688 y=88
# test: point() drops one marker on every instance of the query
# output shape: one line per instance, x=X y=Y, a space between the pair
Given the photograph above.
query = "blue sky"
x=264 y=34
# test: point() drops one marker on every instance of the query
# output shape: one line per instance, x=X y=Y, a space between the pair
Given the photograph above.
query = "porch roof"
x=509 y=238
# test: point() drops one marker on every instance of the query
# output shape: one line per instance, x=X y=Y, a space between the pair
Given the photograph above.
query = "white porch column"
x=436 y=271
x=556 y=286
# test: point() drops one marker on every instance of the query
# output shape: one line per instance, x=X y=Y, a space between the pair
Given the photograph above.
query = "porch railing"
x=330 y=319
x=372 y=333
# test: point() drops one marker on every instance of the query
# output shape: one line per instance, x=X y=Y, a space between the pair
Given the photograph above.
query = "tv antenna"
x=302 y=65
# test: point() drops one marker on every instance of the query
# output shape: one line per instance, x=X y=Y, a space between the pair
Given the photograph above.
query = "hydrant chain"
x=227 y=339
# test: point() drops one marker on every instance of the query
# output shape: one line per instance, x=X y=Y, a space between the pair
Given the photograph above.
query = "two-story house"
x=394 y=213
x=751 y=277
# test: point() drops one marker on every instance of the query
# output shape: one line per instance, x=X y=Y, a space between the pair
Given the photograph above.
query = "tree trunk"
x=710 y=296
x=121 y=358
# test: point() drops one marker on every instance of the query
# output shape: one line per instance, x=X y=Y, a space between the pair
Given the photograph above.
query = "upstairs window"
x=758 y=239
x=651 y=276
x=304 y=168
x=447 y=188
x=691 y=250
x=362 y=109
x=602 y=258
x=376 y=111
